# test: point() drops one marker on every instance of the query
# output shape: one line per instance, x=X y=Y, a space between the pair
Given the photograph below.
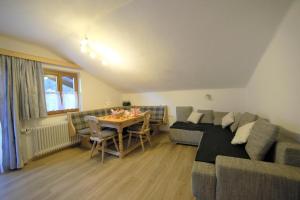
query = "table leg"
x=121 y=147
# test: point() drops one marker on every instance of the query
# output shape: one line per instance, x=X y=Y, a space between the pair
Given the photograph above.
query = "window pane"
x=68 y=84
x=68 y=92
x=51 y=91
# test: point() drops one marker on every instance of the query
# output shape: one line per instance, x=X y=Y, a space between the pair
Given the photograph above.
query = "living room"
x=143 y=71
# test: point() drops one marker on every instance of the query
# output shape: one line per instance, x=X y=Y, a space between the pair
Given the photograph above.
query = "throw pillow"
x=261 y=138
x=194 y=117
x=242 y=134
x=207 y=116
x=235 y=125
x=218 y=116
x=247 y=118
x=227 y=120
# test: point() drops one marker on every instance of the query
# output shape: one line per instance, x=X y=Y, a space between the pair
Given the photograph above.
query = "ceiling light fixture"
x=96 y=50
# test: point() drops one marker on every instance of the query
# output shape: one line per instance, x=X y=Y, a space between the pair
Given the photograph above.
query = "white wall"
x=222 y=99
x=274 y=89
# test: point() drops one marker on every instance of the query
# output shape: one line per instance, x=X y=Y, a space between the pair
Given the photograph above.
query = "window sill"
x=61 y=112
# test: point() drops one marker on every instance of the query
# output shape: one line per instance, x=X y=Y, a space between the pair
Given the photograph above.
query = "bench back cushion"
x=158 y=113
x=78 y=117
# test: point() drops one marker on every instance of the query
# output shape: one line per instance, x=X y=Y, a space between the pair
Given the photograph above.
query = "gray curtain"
x=22 y=97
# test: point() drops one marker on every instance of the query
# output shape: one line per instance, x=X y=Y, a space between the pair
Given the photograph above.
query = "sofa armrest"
x=204 y=180
x=249 y=179
x=288 y=153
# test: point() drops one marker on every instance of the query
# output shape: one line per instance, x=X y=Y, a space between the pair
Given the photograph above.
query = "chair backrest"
x=146 y=122
x=93 y=124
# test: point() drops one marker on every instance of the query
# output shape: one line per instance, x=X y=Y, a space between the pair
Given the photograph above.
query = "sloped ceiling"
x=163 y=45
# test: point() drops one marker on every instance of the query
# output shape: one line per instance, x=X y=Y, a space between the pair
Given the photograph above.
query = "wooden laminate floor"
x=161 y=172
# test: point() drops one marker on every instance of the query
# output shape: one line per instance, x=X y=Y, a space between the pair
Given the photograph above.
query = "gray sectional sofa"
x=267 y=167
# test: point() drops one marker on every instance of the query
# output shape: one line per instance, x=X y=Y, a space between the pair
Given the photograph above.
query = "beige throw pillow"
x=194 y=117
x=228 y=120
x=242 y=134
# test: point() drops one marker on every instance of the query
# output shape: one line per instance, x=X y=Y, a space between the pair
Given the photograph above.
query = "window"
x=61 y=90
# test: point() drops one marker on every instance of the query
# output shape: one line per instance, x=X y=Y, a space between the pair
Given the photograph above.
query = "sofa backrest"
x=183 y=112
x=287 y=148
x=285 y=135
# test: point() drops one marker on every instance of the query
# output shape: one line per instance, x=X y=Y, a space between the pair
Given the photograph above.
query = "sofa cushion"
x=235 y=125
x=228 y=120
x=216 y=141
x=261 y=138
x=218 y=116
x=242 y=134
x=207 y=116
x=194 y=117
x=247 y=118
x=183 y=112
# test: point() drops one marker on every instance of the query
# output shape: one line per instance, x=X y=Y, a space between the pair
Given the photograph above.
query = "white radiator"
x=50 y=138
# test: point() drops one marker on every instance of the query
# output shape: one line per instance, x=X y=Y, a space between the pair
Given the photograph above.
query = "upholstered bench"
x=77 y=125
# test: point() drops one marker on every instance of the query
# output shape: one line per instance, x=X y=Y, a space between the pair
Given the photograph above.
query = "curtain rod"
x=38 y=58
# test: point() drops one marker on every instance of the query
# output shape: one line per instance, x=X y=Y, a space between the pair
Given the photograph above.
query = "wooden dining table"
x=119 y=124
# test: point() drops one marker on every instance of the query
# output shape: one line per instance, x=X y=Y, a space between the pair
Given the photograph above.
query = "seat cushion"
x=216 y=141
x=107 y=133
x=85 y=131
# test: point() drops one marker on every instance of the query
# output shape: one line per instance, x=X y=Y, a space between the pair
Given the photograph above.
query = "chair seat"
x=104 y=134
x=135 y=127
x=85 y=131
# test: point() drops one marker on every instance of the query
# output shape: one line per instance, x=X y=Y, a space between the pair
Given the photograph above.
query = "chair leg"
x=103 y=148
x=148 y=138
x=116 y=145
x=142 y=143
x=93 y=148
x=129 y=140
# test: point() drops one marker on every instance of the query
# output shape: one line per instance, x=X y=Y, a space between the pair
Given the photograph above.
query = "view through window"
x=61 y=90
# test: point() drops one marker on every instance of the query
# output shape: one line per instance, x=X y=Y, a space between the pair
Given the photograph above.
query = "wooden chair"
x=141 y=130
x=100 y=137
